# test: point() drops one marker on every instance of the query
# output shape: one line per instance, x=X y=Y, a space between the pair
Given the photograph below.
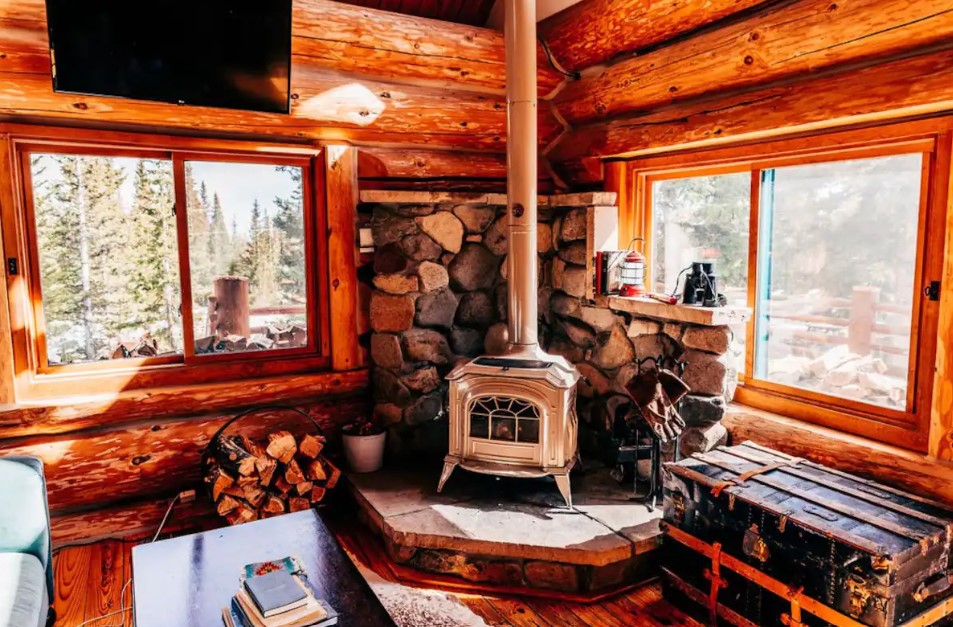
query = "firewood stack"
x=249 y=480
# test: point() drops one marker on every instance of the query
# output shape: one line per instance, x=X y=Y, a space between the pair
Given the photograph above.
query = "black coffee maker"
x=701 y=285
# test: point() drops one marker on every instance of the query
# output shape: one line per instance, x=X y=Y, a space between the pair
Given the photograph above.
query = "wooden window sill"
x=650 y=308
x=62 y=415
x=921 y=474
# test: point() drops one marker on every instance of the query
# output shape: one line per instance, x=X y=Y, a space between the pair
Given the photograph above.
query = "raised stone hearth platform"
x=512 y=532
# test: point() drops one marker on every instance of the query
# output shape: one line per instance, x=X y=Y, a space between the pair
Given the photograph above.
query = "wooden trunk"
x=777 y=541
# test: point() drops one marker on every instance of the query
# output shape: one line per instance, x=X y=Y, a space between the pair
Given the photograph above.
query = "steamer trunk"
x=845 y=550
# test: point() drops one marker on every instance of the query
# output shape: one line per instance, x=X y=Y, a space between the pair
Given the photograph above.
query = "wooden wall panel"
x=154 y=458
x=7 y=371
x=781 y=41
x=941 y=426
x=473 y=12
x=595 y=31
x=907 y=87
x=342 y=190
x=381 y=162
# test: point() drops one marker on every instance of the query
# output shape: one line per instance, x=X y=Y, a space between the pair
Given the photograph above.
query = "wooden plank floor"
x=95 y=580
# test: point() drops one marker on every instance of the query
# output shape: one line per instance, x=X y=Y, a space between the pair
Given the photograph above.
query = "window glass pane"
x=105 y=231
x=837 y=268
x=704 y=218
x=246 y=256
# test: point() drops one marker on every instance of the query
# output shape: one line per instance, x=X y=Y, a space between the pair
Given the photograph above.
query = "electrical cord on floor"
x=123 y=608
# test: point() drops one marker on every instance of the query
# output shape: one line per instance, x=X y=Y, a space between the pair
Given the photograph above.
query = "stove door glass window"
x=505 y=419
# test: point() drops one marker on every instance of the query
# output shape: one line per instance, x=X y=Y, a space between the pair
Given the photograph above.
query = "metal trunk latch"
x=859 y=594
x=678 y=505
x=754 y=546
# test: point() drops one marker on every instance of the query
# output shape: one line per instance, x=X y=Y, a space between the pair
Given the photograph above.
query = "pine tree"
x=199 y=262
x=219 y=244
x=289 y=222
x=248 y=262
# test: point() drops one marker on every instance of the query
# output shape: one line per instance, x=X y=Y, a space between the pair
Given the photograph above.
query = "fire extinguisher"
x=633 y=272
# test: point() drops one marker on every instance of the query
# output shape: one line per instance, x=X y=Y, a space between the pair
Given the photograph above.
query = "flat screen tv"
x=234 y=54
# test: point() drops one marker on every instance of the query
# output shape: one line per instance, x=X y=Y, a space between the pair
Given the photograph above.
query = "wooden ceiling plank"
x=779 y=42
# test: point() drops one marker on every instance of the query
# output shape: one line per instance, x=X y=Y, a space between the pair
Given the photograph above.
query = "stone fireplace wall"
x=440 y=297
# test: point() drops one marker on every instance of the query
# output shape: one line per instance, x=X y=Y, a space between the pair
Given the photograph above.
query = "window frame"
x=37 y=380
x=908 y=428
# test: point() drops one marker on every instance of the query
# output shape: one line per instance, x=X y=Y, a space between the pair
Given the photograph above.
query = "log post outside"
x=860 y=328
x=232 y=306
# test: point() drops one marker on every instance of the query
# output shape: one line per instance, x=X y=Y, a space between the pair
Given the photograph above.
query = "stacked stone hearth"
x=440 y=297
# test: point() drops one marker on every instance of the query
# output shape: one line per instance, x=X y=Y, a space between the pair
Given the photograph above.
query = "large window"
x=832 y=247
x=154 y=258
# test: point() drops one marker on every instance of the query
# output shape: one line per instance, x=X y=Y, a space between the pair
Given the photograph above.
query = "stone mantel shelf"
x=584 y=199
x=650 y=308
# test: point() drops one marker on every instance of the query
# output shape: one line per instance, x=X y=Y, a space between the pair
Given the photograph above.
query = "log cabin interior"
x=581 y=312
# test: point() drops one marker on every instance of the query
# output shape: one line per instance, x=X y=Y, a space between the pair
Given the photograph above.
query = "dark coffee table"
x=185 y=582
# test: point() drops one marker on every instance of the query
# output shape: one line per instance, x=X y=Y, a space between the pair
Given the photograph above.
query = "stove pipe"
x=521 y=158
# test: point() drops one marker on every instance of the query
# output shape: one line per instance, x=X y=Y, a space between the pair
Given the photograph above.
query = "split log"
x=311 y=446
x=304 y=488
x=315 y=471
x=282 y=446
x=298 y=504
x=226 y=504
x=233 y=457
x=334 y=474
x=293 y=474
x=219 y=480
x=317 y=494
x=779 y=42
x=273 y=505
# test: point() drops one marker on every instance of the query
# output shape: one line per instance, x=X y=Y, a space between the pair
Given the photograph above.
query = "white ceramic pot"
x=364 y=453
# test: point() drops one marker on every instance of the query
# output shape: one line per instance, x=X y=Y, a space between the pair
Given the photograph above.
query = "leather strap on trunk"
x=743 y=477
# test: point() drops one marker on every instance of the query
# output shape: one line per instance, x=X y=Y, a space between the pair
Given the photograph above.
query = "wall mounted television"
x=233 y=54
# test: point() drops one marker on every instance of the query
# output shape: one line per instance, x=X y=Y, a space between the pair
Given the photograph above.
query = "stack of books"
x=280 y=597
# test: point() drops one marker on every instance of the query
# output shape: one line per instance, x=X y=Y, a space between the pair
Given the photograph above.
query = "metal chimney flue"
x=514 y=414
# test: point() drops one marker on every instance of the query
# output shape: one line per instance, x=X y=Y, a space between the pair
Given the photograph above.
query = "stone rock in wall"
x=436 y=309
x=565 y=305
x=641 y=326
x=432 y=276
x=705 y=373
x=387 y=228
x=420 y=247
x=673 y=330
x=569 y=278
x=574 y=253
x=389 y=389
x=544 y=295
x=557 y=230
x=544 y=238
x=578 y=333
x=496 y=238
x=570 y=351
x=475 y=310
x=412 y=211
x=702 y=439
x=475 y=218
x=600 y=319
x=708 y=339
x=468 y=342
x=426 y=345
x=424 y=409
x=625 y=374
x=395 y=283
x=500 y=298
x=389 y=260
x=598 y=381
x=422 y=380
x=386 y=352
x=574 y=225
x=658 y=345
x=388 y=413
x=613 y=351
x=444 y=228
x=702 y=411
x=496 y=339
x=474 y=268
x=446 y=258
x=391 y=313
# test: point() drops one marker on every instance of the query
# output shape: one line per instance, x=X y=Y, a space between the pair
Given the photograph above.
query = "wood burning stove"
x=515 y=414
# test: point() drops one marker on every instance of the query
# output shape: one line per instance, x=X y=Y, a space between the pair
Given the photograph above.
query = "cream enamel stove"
x=514 y=414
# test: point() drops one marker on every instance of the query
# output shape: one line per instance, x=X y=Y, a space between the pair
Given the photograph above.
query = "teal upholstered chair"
x=26 y=563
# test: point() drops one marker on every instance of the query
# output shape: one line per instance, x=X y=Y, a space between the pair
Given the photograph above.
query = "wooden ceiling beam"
x=327 y=104
x=903 y=88
x=596 y=31
x=779 y=42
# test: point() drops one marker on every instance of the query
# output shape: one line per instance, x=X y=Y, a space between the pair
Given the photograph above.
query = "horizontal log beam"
x=376 y=162
x=904 y=88
x=849 y=453
x=159 y=457
x=595 y=31
x=387 y=101
x=779 y=42
x=156 y=403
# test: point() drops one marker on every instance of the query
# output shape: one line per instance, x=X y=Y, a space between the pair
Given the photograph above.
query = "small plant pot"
x=364 y=453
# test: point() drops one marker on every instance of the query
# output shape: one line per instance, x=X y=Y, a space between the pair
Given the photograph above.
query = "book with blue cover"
x=275 y=593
